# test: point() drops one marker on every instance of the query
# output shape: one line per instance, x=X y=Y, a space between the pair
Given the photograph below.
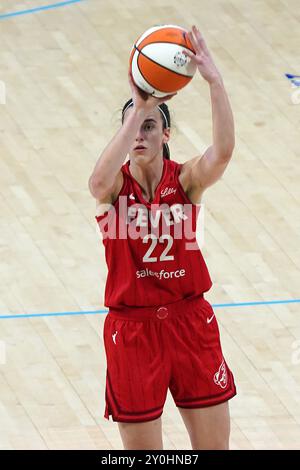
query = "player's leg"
x=209 y=427
x=137 y=379
x=201 y=381
x=147 y=435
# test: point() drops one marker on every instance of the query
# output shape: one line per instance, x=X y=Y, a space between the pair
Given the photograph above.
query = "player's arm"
x=206 y=169
x=107 y=174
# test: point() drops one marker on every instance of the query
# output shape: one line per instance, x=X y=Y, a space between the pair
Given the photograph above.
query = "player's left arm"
x=206 y=169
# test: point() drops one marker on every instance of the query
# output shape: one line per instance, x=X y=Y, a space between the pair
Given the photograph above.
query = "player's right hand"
x=145 y=101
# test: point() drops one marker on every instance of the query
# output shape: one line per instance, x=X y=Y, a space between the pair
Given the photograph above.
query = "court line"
x=33 y=10
x=94 y=312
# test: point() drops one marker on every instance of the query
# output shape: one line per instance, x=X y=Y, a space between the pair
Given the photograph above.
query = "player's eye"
x=148 y=127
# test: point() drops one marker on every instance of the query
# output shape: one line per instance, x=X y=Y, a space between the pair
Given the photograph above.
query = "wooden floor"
x=65 y=74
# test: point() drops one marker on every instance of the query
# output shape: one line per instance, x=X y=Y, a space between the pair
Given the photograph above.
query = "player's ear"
x=166 y=136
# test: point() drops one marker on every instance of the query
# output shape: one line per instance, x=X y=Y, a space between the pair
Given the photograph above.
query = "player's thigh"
x=146 y=435
x=209 y=427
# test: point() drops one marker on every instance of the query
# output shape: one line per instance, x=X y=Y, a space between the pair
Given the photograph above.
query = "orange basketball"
x=157 y=62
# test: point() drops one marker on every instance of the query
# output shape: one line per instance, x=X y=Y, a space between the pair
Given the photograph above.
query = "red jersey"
x=151 y=248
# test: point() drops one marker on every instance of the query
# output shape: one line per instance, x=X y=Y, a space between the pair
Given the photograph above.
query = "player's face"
x=150 y=137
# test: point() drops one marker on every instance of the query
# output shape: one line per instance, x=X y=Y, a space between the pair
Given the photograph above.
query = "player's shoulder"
x=184 y=172
x=173 y=167
x=179 y=171
x=177 y=166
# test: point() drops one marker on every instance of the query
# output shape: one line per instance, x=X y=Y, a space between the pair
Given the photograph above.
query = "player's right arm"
x=107 y=176
x=106 y=180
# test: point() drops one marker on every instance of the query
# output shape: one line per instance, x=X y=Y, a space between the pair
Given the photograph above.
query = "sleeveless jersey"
x=151 y=248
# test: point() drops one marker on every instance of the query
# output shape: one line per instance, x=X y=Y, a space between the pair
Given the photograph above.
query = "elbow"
x=230 y=145
x=94 y=184
x=230 y=152
x=227 y=151
x=225 y=156
x=223 y=148
x=91 y=182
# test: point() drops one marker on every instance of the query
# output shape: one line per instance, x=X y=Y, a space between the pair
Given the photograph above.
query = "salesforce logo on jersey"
x=127 y=219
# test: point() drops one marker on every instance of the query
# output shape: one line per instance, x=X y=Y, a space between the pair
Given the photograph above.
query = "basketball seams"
x=163 y=42
x=158 y=60
x=171 y=72
x=156 y=29
x=160 y=65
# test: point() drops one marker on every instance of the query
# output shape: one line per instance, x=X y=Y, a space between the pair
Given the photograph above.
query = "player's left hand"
x=202 y=57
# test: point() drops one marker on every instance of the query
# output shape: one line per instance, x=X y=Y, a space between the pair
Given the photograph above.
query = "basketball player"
x=160 y=332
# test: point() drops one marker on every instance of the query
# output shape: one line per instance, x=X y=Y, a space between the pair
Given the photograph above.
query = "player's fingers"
x=194 y=43
x=188 y=53
x=199 y=39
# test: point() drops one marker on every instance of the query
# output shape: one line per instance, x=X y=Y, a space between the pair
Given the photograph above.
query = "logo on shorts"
x=220 y=377
x=209 y=320
x=114 y=337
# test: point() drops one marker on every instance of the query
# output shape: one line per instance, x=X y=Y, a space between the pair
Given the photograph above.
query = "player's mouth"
x=139 y=148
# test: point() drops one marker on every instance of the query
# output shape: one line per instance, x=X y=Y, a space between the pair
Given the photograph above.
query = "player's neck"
x=147 y=175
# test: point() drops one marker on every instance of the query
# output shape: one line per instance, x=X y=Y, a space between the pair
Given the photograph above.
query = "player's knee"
x=136 y=436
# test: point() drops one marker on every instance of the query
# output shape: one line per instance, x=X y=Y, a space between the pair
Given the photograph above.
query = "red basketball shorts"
x=150 y=350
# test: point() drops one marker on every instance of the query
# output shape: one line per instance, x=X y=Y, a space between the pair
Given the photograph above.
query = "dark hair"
x=166 y=119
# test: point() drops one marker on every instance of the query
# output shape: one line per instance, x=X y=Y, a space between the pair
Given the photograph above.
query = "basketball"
x=157 y=62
